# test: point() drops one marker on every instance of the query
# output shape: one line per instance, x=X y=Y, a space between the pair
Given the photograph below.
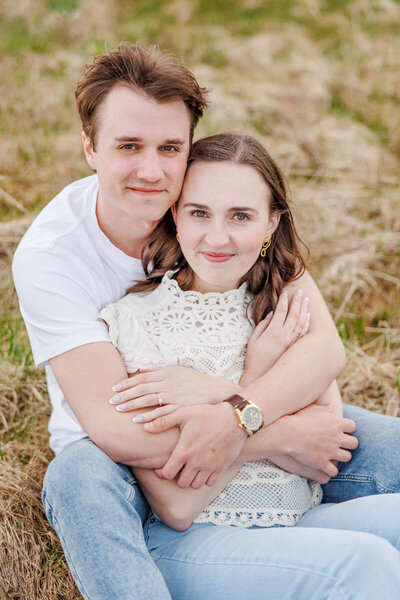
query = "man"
x=138 y=110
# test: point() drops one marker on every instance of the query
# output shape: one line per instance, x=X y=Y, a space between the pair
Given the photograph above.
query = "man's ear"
x=273 y=222
x=89 y=152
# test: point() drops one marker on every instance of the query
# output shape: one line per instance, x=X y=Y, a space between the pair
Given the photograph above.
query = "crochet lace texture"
x=208 y=332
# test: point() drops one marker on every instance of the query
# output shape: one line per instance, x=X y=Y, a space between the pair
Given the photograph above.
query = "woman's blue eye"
x=241 y=217
x=199 y=213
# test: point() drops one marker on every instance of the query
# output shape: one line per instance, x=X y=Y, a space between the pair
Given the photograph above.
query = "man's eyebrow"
x=128 y=138
x=133 y=138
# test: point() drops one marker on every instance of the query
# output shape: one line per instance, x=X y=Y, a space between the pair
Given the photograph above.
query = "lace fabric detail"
x=262 y=494
x=209 y=332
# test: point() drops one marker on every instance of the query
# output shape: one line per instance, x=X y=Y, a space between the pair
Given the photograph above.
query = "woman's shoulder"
x=141 y=301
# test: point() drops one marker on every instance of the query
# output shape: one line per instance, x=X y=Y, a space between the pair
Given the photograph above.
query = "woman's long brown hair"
x=284 y=261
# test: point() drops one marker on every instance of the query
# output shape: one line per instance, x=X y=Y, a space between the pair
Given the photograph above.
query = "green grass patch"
x=63 y=6
x=17 y=37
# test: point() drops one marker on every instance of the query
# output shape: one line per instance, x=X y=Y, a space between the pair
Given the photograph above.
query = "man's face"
x=141 y=154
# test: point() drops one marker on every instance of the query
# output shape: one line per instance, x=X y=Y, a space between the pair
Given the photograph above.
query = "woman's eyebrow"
x=244 y=209
x=195 y=205
x=231 y=208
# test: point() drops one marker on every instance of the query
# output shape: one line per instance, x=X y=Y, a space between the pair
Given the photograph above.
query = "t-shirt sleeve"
x=58 y=303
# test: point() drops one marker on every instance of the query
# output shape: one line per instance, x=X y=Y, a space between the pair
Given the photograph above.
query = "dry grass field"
x=318 y=81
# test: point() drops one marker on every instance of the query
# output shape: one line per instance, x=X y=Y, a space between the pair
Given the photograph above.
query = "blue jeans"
x=335 y=552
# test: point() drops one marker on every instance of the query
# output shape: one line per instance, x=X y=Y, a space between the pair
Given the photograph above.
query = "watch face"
x=252 y=418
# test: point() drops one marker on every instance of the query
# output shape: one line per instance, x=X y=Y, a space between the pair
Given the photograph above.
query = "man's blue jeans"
x=336 y=551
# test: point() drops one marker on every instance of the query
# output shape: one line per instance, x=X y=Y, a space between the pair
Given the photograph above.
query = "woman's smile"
x=216 y=257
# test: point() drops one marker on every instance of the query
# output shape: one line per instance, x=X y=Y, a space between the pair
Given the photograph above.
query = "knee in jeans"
x=376 y=551
x=71 y=470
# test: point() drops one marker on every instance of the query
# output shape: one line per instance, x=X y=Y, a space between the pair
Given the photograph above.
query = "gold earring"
x=265 y=246
x=177 y=237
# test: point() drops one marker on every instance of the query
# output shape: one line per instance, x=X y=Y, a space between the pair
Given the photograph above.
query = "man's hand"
x=319 y=439
x=210 y=440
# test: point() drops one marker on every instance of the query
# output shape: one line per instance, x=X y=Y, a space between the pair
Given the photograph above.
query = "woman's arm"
x=307 y=369
x=178 y=507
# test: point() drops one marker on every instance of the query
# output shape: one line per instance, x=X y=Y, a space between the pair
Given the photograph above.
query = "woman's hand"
x=169 y=388
x=275 y=334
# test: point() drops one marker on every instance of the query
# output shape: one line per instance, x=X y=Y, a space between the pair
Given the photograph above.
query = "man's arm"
x=85 y=376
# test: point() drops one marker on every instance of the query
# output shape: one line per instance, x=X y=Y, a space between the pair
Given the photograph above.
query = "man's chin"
x=149 y=226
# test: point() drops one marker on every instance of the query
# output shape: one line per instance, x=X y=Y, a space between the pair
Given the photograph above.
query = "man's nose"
x=149 y=168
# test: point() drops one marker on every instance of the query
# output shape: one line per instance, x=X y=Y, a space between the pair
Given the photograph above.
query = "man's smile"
x=145 y=191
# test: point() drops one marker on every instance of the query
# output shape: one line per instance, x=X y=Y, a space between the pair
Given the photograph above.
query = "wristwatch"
x=249 y=415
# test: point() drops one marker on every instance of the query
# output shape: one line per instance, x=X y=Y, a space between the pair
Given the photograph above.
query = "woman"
x=235 y=251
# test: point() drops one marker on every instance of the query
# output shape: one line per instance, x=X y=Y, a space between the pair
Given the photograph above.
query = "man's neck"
x=128 y=235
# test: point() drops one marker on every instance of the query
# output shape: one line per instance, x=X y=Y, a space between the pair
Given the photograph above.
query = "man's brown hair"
x=152 y=71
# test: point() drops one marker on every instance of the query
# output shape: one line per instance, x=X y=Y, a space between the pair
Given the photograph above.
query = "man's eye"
x=170 y=148
x=129 y=147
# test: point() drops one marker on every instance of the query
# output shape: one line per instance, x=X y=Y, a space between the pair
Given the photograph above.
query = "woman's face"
x=222 y=218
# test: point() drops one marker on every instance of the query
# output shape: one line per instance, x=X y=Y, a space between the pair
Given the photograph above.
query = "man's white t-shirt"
x=65 y=271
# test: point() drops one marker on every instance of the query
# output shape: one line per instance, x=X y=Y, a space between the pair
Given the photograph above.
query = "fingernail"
x=149 y=426
x=138 y=419
x=117 y=387
x=308 y=315
x=269 y=314
x=121 y=407
x=114 y=399
x=306 y=300
x=299 y=293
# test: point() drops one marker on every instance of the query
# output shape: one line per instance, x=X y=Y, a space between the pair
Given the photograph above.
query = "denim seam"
x=131 y=493
x=49 y=512
x=263 y=565
x=366 y=479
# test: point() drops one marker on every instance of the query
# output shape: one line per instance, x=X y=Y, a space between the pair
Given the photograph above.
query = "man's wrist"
x=249 y=415
x=230 y=419
x=229 y=388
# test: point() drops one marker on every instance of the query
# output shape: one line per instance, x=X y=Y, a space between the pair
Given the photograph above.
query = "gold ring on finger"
x=160 y=402
x=297 y=332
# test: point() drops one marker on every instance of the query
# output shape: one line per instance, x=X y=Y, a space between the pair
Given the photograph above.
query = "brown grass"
x=327 y=107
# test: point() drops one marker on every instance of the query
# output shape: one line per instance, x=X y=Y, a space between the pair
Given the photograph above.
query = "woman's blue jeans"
x=337 y=551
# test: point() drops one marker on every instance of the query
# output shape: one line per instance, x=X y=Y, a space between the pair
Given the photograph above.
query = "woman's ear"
x=273 y=222
x=173 y=210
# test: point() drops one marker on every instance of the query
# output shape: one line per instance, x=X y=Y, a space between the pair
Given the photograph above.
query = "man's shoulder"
x=49 y=242
x=61 y=215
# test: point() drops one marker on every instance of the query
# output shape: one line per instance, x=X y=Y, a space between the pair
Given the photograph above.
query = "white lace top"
x=209 y=332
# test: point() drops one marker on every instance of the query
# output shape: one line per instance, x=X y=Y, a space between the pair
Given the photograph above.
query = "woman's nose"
x=217 y=235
